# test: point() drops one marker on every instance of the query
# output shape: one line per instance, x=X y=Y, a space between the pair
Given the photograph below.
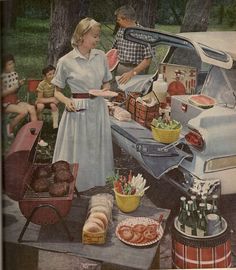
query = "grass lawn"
x=28 y=42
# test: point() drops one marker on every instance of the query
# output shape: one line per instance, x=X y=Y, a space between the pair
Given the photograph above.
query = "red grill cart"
x=40 y=208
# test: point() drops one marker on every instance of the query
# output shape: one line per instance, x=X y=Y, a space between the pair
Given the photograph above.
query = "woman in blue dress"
x=84 y=134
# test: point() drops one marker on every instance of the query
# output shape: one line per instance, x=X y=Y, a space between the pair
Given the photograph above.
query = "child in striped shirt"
x=45 y=95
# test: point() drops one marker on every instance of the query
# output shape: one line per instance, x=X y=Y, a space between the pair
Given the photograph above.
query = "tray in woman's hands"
x=102 y=93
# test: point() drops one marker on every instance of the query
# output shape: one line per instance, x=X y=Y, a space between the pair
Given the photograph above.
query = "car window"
x=186 y=57
x=220 y=85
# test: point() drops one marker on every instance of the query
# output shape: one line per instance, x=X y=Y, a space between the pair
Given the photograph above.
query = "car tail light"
x=195 y=139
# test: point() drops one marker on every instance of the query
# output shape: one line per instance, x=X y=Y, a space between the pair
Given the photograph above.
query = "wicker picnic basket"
x=98 y=218
x=94 y=238
x=140 y=112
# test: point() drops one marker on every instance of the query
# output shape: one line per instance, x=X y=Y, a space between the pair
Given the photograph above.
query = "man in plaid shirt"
x=133 y=58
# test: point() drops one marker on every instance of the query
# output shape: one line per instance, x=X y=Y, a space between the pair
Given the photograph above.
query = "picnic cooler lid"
x=20 y=158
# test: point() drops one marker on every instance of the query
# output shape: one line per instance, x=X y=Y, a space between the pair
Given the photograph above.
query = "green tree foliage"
x=170 y=12
x=223 y=12
x=163 y=12
x=230 y=14
x=34 y=9
x=103 y=10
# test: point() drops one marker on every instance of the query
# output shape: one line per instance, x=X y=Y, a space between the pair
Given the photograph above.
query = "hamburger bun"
x=101 y=209
x=97 y=221
x=92 y=227
x=102 y=199
x=100 y=216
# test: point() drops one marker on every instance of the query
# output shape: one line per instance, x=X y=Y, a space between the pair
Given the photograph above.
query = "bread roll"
x=100 y=216
x=102 y=209
x=121 y=114
x=97 y=221
x=92 y=227
x=102 y=199
x=98 y=203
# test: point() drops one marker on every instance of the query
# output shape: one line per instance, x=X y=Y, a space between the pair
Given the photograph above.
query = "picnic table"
x=52 y=240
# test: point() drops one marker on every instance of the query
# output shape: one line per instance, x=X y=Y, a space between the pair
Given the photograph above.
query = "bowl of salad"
x=128 y=191
x=165 y=130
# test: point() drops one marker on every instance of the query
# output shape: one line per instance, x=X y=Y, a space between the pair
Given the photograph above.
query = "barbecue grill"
x=40 y=208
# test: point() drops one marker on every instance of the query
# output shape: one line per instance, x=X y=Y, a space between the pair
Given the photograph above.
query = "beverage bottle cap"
x=212 y=217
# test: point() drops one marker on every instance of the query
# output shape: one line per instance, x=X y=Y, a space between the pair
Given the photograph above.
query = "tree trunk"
x=146 y=11
x=196 y=16
x=8 y=14
x=65 y=15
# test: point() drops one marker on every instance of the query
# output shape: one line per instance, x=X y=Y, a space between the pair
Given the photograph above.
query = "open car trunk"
x=211 y=166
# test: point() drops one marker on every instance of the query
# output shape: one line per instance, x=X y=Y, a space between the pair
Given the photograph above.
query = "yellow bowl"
x=165 y=135
x=127 y=203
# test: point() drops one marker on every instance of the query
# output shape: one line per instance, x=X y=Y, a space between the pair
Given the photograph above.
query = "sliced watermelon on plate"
x=112 y=58
x=202 y=101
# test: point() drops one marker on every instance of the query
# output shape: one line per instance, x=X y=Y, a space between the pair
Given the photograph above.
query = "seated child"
x=10 y=84
x=45 y=95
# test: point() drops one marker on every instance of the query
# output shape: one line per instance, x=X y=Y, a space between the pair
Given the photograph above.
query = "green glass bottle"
x=204 y=201
x=202 y=221
x=182 y=214
x=191 y=222
x=195 y=213
x=206 y=205
x=215 y=209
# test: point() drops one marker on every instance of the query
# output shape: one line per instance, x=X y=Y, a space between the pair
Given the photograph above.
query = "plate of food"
x=139 y=231
x=102 y=93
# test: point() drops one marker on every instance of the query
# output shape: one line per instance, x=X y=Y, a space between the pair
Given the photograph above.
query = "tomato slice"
x=136 y=237
x=150 y=234
x=124 y=227
x=139 y=228
x=152 y=227
x=143 y=240
x=126 y=234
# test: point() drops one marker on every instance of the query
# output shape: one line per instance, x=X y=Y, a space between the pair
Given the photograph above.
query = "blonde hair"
x=81 y=29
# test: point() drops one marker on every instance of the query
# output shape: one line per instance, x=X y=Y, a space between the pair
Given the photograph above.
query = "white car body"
x=214 y=54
